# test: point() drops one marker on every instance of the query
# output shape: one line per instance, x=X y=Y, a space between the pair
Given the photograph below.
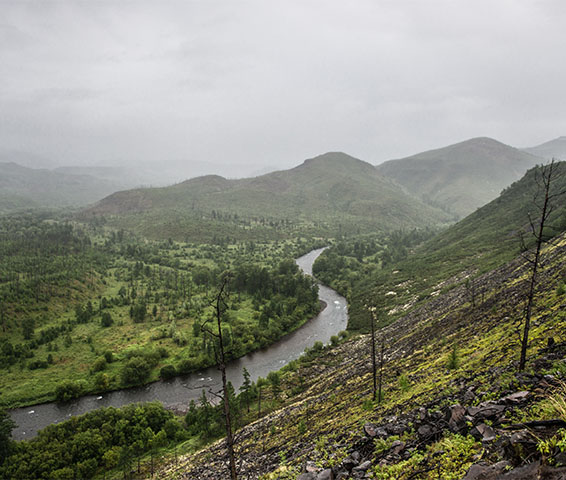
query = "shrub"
x=67 y=391
x=167 y=372
x=453 y=359
x=106 y=319
x=99 y=364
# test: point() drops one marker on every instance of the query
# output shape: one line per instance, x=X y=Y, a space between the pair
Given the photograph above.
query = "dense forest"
x=87 y=309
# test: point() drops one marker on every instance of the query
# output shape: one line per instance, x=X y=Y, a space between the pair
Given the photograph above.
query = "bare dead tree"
x=381 y=362
x=220 y=307
x=373 y=361
x=545 y=202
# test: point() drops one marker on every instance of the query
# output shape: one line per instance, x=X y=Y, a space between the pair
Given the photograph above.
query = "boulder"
x=306 y=476
x=363 y=466
x=397 y=447
x=375 y=432
x=456 y=418
x=425 y=431
x=483 y=433
x=325 y=475
x=516 y=398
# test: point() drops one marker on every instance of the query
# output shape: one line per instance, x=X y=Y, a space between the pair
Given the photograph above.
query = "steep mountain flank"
x=482 y=241
x=323 y=194
x=553 y=149
x=461 y=177
x=453 y=405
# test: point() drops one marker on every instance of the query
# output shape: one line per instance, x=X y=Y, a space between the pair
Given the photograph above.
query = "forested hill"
x=461 y=177
x=324 y=194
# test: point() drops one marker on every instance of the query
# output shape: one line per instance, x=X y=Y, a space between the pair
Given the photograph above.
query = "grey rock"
x=483 y=433
x=325 y=475
x=469 y=396
x=349 y=463
x=483 y=471
x=455 y=416
x=521 y=437
x=363 y=466
x=425 y=431
x=311 y=467
x=375 y=432
x=486 y=411
x=397 y=447
x=516 y=398
x=306 y=476
x=480 y=471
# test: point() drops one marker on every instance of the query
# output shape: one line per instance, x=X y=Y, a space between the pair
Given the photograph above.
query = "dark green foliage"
x=99 y=364
x=245 y=389
x=106 y=319
x=274 y=380
x=85 y=445
x=138 y=312
x=68 y=288
x=453 y=359
x=167 y=372
x=28 y=326
x=67 y=391
x=6 y=427
x=135 y=371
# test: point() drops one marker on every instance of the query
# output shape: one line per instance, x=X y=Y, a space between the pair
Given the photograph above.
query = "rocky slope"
x=454 y=405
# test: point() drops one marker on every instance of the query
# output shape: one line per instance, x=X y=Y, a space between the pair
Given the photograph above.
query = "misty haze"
x=282 y=240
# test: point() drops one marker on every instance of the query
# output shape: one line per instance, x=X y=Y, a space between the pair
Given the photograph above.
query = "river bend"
x=178 y=392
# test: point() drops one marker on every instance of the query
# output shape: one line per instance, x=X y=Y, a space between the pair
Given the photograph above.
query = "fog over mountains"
x=456 y=179
x=461 y=177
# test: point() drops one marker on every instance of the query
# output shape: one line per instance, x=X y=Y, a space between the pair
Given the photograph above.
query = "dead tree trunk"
x=381 y=359
x=547 y=176
x=219 y=306
x=373 y=364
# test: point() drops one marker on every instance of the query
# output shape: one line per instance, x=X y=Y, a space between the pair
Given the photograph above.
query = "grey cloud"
x=271 y=83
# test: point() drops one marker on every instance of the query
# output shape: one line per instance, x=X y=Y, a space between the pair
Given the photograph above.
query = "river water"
x=178 y=392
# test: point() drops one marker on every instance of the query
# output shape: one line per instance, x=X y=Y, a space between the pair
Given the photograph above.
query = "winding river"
x=178 y=392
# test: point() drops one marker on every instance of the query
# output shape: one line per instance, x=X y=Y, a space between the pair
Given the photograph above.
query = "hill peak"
x=462 y=176
x=339 y=161
x=332 y=157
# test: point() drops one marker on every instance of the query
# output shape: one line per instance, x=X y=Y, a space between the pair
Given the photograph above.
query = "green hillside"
x=325 y=195
x=461 y=177
x=482 y=241
x=451 y=397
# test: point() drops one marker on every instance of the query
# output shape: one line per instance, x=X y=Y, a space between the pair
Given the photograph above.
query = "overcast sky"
x=270 y=83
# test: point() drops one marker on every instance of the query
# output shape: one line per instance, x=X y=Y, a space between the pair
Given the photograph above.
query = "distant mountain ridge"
x=462 y=177
x=325 y=189
x=23 y=187
x=552 y=149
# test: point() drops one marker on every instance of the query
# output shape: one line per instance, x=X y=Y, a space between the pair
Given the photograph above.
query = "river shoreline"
x=175 y=394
